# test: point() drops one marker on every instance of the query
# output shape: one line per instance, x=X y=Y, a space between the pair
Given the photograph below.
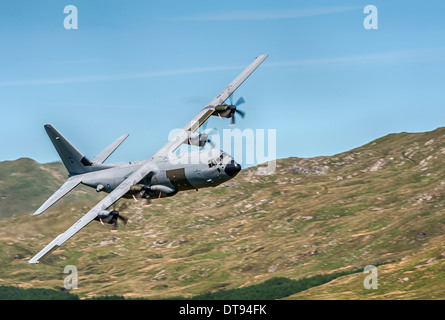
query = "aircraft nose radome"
x=232 y=169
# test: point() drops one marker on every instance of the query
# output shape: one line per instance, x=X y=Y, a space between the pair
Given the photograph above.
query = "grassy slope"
x=380 y=203
x=26 y=184
x=417 y=276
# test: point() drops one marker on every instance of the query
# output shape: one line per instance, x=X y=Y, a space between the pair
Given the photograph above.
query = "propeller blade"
x=211 y=143
x=123 y=206
x=124 y=219
x=232 y=121
x=241 y=113
x=211 y=131
x=240 y=101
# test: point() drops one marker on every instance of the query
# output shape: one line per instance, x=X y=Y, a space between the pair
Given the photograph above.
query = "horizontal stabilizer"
x=69 y=185
x=101 y=157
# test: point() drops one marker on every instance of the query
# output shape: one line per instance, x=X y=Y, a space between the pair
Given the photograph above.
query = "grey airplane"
x=163 y=175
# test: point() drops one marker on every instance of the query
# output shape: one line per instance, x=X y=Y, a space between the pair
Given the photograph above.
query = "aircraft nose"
x=232 y=169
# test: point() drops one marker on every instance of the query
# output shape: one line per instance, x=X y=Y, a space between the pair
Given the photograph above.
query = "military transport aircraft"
x=162 y=175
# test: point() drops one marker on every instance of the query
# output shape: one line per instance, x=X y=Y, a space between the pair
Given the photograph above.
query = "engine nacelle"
x=107 y=216
x=106 y=213
x=196 y=139
x=110 y=217
x=224 y=110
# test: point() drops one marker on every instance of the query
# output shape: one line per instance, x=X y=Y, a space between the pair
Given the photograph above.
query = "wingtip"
x=39 y=211
x=33 y=260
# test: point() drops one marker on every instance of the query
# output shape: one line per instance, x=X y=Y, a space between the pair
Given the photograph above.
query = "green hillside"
x=26 y=184
x=15 y=293
x=380 y=204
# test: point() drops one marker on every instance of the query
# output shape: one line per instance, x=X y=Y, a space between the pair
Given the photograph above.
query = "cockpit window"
x=212 y=163
x=223 y=157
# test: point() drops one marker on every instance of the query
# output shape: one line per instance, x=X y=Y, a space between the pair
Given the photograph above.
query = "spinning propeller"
x=233 y=107
x=206 y=134
x=111 y=216
x=115 y=217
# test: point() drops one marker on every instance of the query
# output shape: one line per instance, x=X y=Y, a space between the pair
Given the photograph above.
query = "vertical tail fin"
x=74 y=161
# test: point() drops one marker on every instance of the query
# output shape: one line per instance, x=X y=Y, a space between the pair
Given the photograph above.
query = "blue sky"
x=146 y=67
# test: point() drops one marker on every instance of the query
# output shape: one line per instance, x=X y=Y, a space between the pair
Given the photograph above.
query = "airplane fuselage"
x=196 y=170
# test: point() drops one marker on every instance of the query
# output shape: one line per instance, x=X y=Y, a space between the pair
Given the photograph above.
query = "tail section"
x=74 y=161
x=101 y=157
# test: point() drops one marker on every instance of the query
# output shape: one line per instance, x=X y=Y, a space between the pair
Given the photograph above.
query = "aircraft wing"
x=179 y=138
x=106 y=202
x=69 y=185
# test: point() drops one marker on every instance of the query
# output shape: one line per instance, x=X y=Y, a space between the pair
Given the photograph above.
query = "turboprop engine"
x=198 y=139
x=229 y=110
x=110 y=217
